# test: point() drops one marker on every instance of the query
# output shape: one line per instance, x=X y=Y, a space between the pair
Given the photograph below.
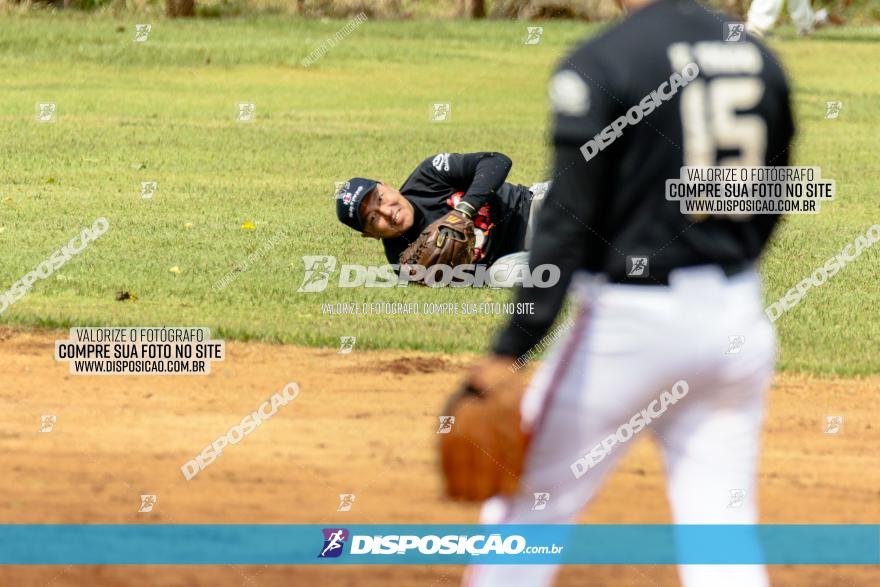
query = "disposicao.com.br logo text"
x=479 y=544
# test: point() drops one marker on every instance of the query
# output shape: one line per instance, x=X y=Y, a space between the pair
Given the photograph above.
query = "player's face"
x=386 y=213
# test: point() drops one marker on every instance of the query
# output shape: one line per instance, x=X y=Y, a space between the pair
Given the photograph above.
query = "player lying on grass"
x=466 y=189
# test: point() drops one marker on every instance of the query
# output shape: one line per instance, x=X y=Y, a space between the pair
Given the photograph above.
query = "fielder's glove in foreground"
x=447 y=241
x=482 y=452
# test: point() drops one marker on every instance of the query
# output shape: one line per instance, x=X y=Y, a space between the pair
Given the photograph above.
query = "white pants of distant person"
x=629 y=344
x=505 y=271
x=764 y=13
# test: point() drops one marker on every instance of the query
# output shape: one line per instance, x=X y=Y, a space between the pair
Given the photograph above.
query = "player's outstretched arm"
x=478 y=175
x=565 y=232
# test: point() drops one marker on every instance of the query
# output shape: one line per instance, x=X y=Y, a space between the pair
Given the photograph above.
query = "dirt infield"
x=364 y=423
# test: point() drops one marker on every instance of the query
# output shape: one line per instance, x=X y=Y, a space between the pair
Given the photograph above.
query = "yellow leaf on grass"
x=248 y=226
x=175 y=269
x=188 y=225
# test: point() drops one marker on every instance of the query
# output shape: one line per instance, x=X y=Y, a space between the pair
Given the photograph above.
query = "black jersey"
x=478 y=178
x=607 y=201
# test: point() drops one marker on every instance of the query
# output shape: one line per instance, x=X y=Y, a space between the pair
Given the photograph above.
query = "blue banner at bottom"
x=194 y=544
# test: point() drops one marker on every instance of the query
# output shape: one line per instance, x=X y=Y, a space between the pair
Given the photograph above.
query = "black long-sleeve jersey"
x=479 y=179
x=607 y=201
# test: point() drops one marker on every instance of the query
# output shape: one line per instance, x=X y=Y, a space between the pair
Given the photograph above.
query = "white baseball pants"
x=764 y=13
x=628 y=345
x=520 y=260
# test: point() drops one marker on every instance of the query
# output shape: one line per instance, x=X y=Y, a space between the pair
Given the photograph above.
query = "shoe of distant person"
x=820 y=19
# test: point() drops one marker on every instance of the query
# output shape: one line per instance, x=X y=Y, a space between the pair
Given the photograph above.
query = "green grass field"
x=164 y=111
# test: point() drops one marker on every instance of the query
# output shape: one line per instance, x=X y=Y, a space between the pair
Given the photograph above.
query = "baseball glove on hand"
x=482 y=452
x=447 y=241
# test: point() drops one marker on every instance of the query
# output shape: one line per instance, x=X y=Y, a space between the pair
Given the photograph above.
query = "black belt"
x=662 y=277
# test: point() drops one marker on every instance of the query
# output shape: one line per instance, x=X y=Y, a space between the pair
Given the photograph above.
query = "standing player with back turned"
x=662 y=294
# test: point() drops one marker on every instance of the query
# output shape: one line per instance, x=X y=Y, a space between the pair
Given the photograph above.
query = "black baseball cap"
x=348 y=201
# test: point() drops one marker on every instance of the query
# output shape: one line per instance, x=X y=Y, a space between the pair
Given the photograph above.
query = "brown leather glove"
x=447 y=241
x=483 y=451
